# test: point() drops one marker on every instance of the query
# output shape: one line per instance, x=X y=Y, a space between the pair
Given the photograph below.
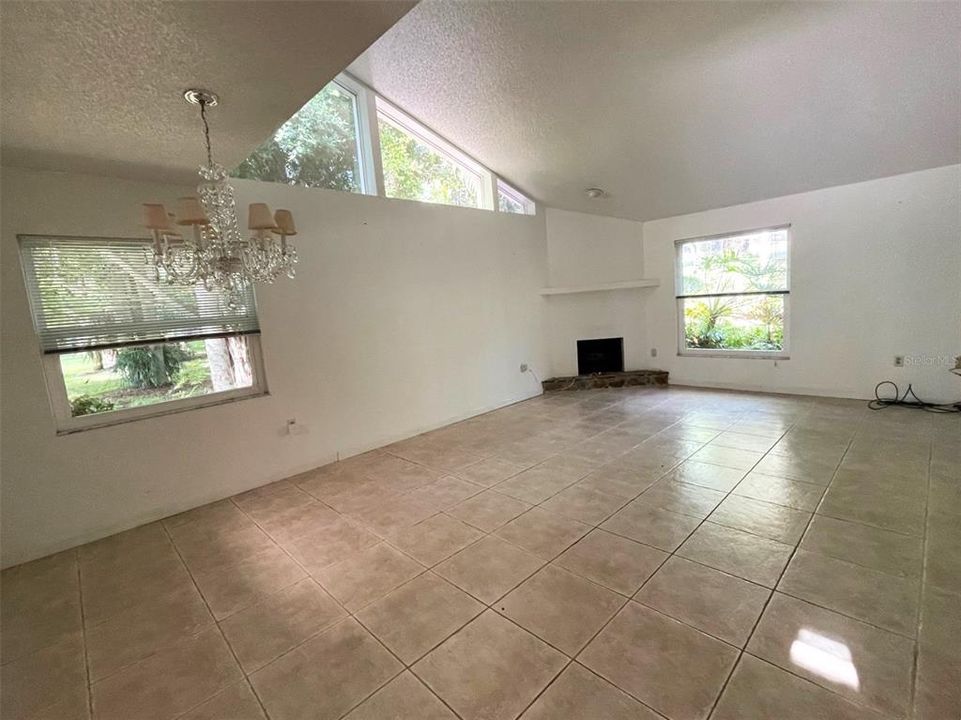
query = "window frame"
x=503 y=188
x=56 y=387
x=486 y=190
x=367 y=142
x=67 y=423
x=683 y=350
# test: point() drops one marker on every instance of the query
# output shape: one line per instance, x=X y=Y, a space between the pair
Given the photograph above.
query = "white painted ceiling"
x=674 y=107
x=96 y=86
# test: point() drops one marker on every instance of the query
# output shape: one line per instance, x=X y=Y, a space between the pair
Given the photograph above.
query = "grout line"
x=780 y=576
x=213 y=617
x=83 y=631
x=915 y=665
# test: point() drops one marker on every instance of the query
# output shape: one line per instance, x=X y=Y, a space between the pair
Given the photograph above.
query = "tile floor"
x=632 y=553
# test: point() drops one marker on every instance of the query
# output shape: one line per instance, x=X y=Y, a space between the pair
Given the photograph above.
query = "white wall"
x=403 y=317
x=589 y=249
x=875 y=272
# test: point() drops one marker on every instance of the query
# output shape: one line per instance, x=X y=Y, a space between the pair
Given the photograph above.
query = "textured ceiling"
x=679 y=107
x=96 y=86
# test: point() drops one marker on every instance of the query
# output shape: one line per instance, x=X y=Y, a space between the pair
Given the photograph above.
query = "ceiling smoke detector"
x=594 y=193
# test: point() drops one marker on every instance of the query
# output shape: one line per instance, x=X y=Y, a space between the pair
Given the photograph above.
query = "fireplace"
x=604 y=355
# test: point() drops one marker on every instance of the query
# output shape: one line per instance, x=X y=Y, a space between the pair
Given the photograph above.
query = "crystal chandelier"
x=214 y=252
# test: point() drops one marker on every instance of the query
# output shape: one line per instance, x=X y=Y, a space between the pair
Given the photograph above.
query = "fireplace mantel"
x=601 y=287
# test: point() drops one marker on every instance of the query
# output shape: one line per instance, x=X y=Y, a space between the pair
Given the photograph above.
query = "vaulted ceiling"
x=674 y=107
x=96 y=86
x=670 y=107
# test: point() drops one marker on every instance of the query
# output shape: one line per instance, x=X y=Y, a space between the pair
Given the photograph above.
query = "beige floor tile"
x=297 y=521
x=142 y=630
x=727 y=457
x=938 y=690
x=446 y=492
x=625 y=483
x=543 y=533
x=221 y=514
x=535 y=485
x=889 y=512
x=721 y=605
x=419 y=615
x=402 y=475
x=326 y=676
x=491 y=471
x=435 y=539
x=780 y=491
x=236 y=702
x=358 y=498
x=273 y=500
x=761 y=691
x=665 y=664
x=203 y=546
x=612 y=561
x=813 y=470
x=943 y=553
x=230 y=588
x=883 y=550
x=748 y=556
x=489 y=568
x=681 y=498
x=41 y=581
x=490 y=670
x=878 y=598
x=394 y=514
x=702 y=474
x=37 y=620
x=403 y=697
x=652 y=526
x=169 y=683
x=743 y=441
x=263 y=632
x=488 y=510
x=863 y=663
x=562 y=609
x=125 y=549
x=583 y=504
x=940 y=628
x=367 y=575
x=330 y=544
x=108 y=590
x=579 y=694
x=52 y=678
x=775 y=522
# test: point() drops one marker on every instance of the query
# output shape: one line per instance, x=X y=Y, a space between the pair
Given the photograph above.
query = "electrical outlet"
x=899 y=361
x=294 y=428
x=524 y=367
x=653 y=352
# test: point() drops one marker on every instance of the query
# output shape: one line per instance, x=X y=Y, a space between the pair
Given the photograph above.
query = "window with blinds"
x=118 y=343
x=90 y=293
x=732 y=293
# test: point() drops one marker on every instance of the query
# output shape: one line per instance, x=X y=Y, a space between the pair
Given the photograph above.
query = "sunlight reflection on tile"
x=828 y=658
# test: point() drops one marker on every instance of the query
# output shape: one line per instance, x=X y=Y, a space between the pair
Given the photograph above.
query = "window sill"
x=736 y=355
x=129 y=415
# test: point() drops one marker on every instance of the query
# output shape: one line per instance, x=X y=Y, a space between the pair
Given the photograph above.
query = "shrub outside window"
x=733 y=293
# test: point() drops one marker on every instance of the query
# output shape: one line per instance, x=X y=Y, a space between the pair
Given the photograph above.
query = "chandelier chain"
x=203 y=117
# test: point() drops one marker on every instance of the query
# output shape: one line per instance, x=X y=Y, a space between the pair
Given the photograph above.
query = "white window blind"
x=89 y=292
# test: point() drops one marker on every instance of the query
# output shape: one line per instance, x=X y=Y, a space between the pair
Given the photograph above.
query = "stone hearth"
x=606 y=380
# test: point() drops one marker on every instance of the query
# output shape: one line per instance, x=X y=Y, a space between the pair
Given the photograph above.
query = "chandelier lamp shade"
x=202 y=242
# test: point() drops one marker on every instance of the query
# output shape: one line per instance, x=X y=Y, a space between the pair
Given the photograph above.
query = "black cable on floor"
x=879 y=403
